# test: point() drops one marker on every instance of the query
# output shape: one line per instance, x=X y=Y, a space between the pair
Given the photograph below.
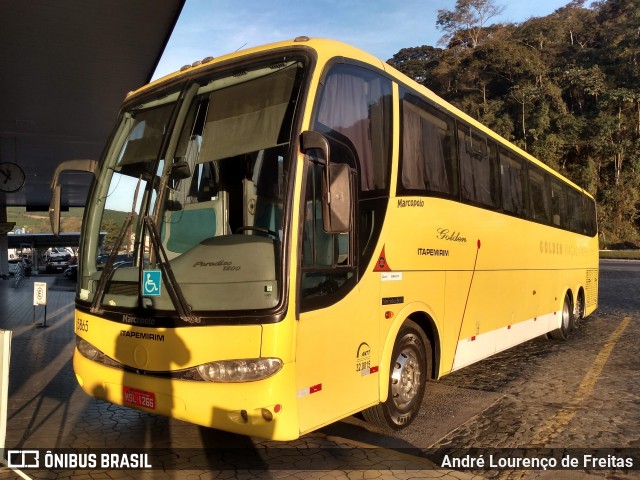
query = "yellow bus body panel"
x=165 y=349
x=479 y=272
x=486 y=281
x=337 y=357
x=218 y=405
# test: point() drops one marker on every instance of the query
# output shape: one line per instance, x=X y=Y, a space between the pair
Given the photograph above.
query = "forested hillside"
x=565 y=88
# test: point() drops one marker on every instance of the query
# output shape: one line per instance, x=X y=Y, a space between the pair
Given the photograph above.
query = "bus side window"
x=478 y=168
x=583 y=218
x=513 y=186
x=428 y=157
x=356 y=103
x=326 y=258
x=318 y=246
x=591 y=221
x=538 y=189
x=574 y=203
x=558 y=205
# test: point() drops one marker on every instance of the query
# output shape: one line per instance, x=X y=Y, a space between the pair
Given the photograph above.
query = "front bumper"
x=265 y=408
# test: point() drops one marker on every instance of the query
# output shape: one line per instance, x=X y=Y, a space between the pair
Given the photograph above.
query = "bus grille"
x=592 y=287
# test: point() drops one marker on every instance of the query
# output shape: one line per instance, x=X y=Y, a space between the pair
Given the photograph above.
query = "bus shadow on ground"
x=444 y=408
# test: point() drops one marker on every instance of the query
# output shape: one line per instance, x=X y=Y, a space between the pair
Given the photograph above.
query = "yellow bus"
x=298 y=232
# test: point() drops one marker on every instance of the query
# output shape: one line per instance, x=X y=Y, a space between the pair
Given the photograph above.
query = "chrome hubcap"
x=405 y=378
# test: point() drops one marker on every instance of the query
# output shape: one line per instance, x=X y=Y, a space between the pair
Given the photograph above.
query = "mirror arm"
x=311 y=140
x=89 y=166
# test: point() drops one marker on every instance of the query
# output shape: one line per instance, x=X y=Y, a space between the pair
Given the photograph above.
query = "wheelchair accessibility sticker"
x=151 y=280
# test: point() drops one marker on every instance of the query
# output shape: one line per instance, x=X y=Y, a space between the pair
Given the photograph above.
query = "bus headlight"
x=86 y=349
x=242 y=370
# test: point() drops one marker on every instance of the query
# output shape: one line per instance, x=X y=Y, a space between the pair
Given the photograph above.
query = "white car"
x=13 y=265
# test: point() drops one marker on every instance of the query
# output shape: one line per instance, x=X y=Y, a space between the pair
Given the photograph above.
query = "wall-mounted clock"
x=11 y=177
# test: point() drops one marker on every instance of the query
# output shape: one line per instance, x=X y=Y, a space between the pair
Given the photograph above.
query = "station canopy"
x=66 y=68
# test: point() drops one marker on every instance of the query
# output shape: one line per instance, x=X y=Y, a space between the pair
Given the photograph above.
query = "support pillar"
x=4 y=241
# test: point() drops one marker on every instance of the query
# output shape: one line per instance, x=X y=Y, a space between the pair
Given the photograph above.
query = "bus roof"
x=326 y=49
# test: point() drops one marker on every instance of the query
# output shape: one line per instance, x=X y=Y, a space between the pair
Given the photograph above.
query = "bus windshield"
x=204 y=165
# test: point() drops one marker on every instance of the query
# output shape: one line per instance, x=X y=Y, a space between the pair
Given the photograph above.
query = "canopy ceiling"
x=66 y=68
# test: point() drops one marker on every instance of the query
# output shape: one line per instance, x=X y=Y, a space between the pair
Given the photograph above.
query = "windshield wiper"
x=173 y=289
x=107 y=270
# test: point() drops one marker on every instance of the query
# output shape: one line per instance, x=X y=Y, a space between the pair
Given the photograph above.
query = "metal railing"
x=18 y=276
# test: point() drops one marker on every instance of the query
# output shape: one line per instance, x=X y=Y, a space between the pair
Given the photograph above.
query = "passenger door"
x=338 y=330
x=337 y=340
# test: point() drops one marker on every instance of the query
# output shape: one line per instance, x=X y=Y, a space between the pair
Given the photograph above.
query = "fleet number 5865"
x=82 y=325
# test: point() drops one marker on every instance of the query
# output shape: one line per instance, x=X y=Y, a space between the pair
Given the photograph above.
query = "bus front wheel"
x=408 y=375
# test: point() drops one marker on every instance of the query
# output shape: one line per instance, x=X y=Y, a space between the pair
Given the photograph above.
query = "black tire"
x=579 y=310
x=408 y=375
x=567 y=324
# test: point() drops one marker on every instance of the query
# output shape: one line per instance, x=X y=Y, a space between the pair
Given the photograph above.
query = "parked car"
x=72 y=272
x=13 y=265
x=15 y=262
x=57 y=253
x=55 y=264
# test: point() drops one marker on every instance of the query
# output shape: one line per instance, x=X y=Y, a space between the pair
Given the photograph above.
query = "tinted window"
x=539 y=195
x=575 y=206
x=326 y=258
x=356 y=103
x=591 y=225
x=428 y=162
x=559 y=213
x=582 y=211
x=478 y=168
x=513 y=184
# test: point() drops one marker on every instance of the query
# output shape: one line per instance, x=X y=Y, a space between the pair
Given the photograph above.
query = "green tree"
x=524 y=94
x=582 y=86
x=112 y=228
x=465 y=24
x=417 y=62
x=565 y=86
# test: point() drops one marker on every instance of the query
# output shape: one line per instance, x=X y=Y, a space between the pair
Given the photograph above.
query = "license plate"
x=140 y=398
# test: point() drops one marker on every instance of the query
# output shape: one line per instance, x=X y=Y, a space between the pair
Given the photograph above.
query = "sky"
x=380 y=27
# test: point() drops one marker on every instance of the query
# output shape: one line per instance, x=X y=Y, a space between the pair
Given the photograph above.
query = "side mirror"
x=336 y=193
x=336 y=185
x=89 y=166
x=311 y=140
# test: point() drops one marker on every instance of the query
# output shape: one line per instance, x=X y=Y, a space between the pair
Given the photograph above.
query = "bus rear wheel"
x=567 y=323
x=409 y=372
